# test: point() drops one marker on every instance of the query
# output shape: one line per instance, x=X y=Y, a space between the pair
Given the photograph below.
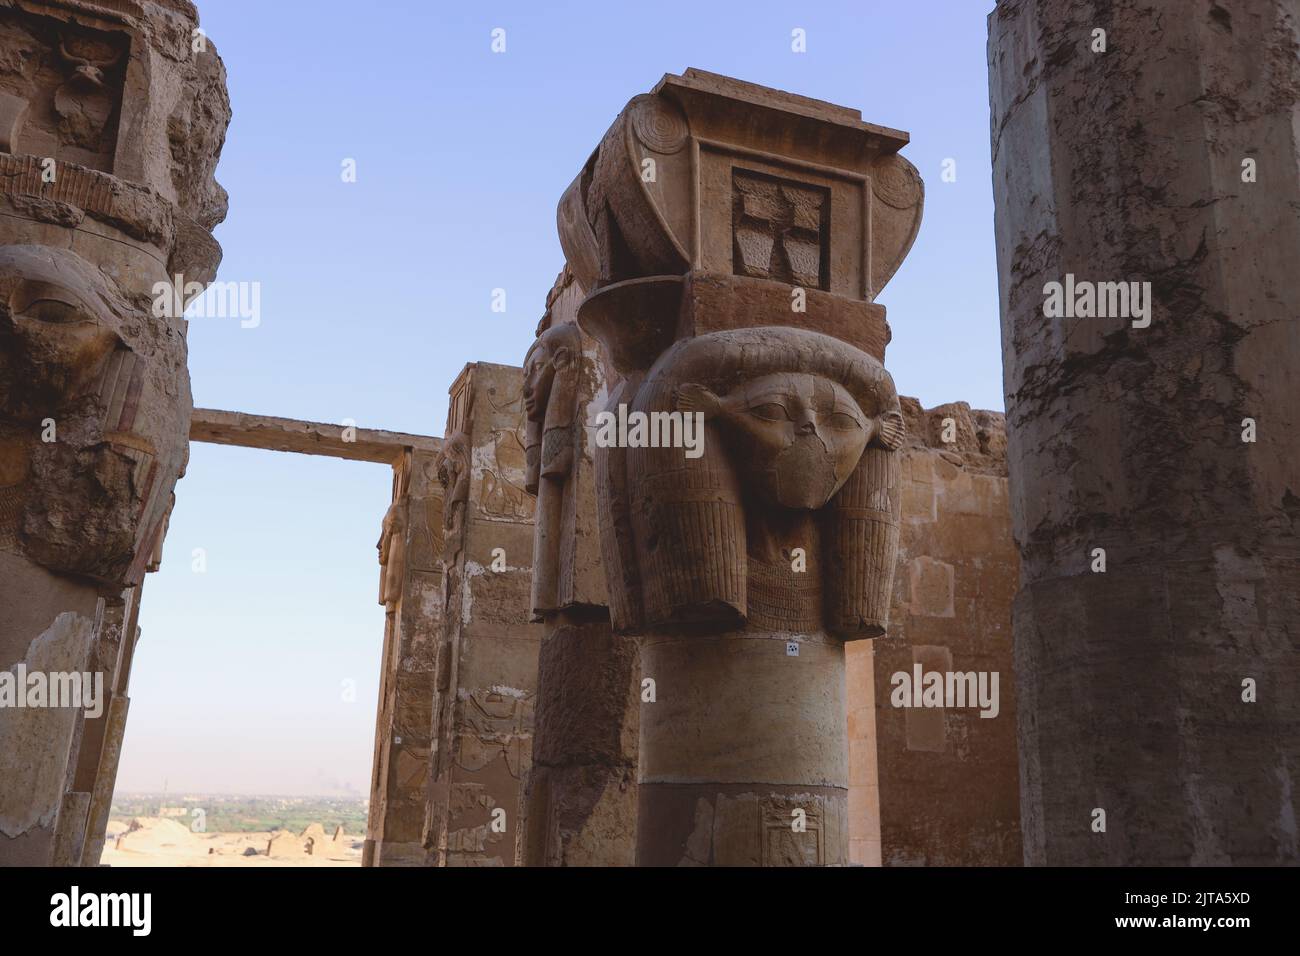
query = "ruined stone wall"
x=486 y=676
x=582 y=792
x=939 y=786
x=411 y=591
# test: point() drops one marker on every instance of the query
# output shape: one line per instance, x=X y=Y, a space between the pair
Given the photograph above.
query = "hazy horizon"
x=181 y=795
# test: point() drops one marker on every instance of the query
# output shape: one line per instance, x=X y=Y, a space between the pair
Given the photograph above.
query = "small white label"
x=791 y=648
x=397 y=740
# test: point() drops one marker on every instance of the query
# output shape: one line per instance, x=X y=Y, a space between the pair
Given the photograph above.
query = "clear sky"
x=375 y=293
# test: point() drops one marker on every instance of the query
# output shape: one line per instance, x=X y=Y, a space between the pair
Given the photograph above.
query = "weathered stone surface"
x=101 y=798
x=307 y=438
x=284 y=844
x=560 y=381
x=1126 y=432
x=582 y=712
x=581 y=814
x=582 y=790
x=486 y=671
x=743 y=563
x=581 y=795
x=111 y=124
x=487 y=751
x=951 y=612
x=615 y=224
x=411 y=591
x=71 y=833
x=37 y=741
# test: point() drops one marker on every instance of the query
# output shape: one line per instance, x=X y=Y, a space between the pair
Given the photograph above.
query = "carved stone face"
x=553 y=356
x=539 y=376
x=453 y=469
x=797 y=436
x=55 y=325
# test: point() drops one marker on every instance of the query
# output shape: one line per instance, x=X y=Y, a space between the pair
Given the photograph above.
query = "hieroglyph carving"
x=779 y=229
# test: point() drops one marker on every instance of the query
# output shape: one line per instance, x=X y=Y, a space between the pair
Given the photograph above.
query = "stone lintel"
x=306 y=438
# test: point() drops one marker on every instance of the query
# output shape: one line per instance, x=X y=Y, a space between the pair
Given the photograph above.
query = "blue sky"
x=375 y=293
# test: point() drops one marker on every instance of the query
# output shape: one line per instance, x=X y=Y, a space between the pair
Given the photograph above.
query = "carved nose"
x=806 y=427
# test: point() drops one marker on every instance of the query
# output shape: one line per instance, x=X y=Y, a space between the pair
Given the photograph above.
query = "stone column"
x=734 y=238
x=118 y=704
x=582 y=795
x=92 y=726
x=112 y=117
x=1152 y=425
x=410 y=551
x=486 y=675
x=110 y=753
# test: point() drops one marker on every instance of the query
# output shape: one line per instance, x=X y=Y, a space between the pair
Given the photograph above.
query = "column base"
x=742 y=825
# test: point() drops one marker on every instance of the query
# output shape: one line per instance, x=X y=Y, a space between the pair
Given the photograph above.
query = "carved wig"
x=551 y=373
x=453 y=468
x=688 y=524
x=551 y=400
x=65 y=360
x=392 y=552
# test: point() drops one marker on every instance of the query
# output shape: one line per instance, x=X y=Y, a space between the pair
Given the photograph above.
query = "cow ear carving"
x=697 y=398
x=890 y=430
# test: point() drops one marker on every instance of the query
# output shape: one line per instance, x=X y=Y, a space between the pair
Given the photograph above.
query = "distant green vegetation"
x=239 y=814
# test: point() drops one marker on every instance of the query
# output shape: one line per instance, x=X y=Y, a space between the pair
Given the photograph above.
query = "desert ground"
x=156 y=841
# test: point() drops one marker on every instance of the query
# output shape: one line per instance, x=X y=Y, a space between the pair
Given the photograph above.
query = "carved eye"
x=53 y=310
x=770 y=412
x=843 y=422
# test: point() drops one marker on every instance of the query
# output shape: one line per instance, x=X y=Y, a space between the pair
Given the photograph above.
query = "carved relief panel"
x=780 y=230
x=61 y=89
